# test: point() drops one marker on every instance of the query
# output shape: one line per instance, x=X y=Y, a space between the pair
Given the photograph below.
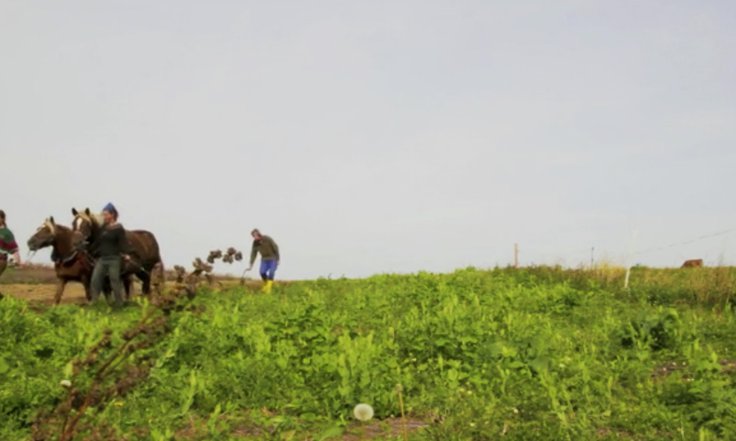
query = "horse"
x=693 y=263
x=145 y=256
x=70 y=263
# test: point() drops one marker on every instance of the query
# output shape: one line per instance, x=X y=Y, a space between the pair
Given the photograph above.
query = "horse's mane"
x=63 y=228
x=51 y=225
x=94 y=218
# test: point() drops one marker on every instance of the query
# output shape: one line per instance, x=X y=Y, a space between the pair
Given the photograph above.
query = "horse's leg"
x=146 y=282
x=87 y=289
x=85 y=277
x=60 y=285
x=128 y=285
x=159 y=277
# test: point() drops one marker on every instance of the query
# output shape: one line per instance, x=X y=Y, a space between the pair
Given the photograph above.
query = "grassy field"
x=529 y=354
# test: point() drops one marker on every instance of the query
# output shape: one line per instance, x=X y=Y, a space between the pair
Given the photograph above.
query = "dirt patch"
x=667 y=369
x=729 y=366
x=196 y=430
x=30 y=273
x=392 y=427
x=44 y=293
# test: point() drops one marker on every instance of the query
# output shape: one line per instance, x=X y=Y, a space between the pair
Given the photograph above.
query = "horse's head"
x=45 y=235
x=85 y=226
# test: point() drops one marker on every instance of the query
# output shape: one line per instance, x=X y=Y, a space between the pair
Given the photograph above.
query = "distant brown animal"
x=693 y=263
x=145 y=256
x=70 y=263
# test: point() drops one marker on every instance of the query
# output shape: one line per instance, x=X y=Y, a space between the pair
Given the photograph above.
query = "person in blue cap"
x=109 y=249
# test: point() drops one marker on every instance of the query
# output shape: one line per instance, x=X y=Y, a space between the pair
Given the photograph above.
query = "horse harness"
x=73 y=258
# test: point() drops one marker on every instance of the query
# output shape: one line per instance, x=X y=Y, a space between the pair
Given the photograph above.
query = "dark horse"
x=70 y=263
x=145 y=257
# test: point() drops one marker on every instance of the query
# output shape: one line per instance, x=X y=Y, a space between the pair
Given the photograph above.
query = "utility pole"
x=592 y=257
x=516 y=255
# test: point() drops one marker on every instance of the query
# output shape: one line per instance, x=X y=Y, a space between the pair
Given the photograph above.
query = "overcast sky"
x=378 y=136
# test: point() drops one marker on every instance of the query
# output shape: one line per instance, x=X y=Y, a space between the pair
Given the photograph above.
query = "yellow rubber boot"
x=268 y=286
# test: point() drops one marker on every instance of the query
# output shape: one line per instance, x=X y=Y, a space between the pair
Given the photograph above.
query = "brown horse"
x=145 y=256
x=70 y=263
x=693 y=263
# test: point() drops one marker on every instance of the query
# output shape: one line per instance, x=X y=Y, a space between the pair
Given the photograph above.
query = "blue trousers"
x=268 y=269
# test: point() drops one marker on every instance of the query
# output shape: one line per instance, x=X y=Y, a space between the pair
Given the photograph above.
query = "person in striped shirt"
x=8 y=245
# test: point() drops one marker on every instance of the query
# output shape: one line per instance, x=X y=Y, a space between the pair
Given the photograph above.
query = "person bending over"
x=270 y=257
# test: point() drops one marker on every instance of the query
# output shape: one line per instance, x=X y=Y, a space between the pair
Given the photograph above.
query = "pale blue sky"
x=378 y=136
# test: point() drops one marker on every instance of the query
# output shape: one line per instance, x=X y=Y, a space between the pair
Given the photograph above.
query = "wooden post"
x=629 y=258
x=516 y=255
x=592 y=257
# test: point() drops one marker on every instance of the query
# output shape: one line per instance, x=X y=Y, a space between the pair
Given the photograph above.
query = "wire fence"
x=589 y=255
x=685 y=242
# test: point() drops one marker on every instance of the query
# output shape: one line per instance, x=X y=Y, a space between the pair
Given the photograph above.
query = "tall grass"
x=713 y=286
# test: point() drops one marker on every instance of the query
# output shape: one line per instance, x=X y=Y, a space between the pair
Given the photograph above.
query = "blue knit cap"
x=110 y=208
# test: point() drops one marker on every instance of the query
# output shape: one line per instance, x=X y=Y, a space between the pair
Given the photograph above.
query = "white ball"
x=363 y=412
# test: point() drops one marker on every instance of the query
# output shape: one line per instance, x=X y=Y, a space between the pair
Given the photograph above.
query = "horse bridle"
x=76 y=228
x=64 y=260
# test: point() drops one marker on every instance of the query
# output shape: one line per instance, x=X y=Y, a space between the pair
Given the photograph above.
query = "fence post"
x=629 y=257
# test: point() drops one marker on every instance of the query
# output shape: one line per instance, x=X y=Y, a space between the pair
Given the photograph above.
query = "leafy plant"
x=539 y=353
